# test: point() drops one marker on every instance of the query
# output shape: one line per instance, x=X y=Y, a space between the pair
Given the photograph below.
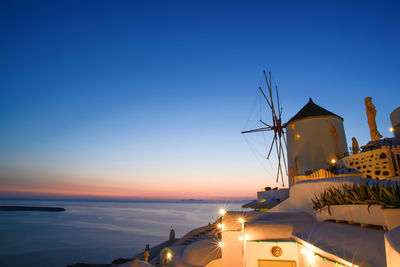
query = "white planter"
x=335 y=212
x=323 y=214
x=392 y=218
x=364 y=216
x=341 y=213
x=374 y=215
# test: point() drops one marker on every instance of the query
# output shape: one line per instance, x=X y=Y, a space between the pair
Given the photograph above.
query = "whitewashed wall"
x=315 y=146
x=392 y=247
x=302 y=193
x=232 y=250
x=262 y=251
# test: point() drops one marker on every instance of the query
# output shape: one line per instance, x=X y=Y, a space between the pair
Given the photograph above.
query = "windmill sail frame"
x=279 y=140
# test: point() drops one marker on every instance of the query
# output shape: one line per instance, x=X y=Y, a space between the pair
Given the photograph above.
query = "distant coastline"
x=27 y=208
x=205 y=201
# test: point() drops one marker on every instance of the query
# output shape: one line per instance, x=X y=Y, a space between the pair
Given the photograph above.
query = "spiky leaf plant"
x=386 y=194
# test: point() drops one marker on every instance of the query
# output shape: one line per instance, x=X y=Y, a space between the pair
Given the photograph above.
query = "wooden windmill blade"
x=279 y=153
x=264 y=129
x=284 y=157
x=272 y=145
x=277 y=98
x=275 y=126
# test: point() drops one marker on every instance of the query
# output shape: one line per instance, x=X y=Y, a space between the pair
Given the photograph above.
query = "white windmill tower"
x=315 y=137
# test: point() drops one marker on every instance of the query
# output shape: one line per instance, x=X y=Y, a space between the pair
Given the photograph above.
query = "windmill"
x=278 y=141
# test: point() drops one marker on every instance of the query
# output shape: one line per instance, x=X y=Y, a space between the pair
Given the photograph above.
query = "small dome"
x=201 y=252
x=311 y=110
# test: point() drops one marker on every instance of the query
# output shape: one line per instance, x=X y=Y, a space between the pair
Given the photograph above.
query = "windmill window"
x=292 y=126
x=297 y=137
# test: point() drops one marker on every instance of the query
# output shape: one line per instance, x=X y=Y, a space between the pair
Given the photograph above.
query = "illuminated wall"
x=310 y=141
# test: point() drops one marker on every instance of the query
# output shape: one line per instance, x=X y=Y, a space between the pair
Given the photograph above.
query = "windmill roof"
x=312 y=110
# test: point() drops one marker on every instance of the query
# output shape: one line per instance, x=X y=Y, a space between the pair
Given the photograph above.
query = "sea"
x=94 y=231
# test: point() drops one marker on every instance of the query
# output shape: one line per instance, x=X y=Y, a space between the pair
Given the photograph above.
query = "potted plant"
x=331 y=205
x=366 y=203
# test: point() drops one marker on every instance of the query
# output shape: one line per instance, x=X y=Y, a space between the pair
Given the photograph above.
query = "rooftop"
x=364 y=246
x=311 y=110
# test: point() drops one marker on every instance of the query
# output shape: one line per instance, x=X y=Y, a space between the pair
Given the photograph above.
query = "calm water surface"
x=93 y=232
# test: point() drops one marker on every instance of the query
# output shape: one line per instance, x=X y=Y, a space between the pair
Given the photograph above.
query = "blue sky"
x=105 y=97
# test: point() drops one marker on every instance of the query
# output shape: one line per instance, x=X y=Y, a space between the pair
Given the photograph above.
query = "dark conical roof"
x=311 y=110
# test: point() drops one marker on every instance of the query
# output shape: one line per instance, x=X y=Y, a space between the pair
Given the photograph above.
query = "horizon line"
x=98 y=199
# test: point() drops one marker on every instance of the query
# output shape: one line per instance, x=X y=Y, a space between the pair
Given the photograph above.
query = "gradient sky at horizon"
x=146 y=99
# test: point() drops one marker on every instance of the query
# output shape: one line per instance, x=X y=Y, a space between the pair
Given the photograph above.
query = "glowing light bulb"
x=222 y=212
x=220 y=244
x=391 y=129
x=350 y=264
x=241 y=220
x=308 y=253
x=220 y=225
x=333 y=161
x=240 y=238
x=169 y=255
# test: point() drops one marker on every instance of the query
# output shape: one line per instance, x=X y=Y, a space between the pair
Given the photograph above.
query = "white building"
x=291 y=233
x=315 y=137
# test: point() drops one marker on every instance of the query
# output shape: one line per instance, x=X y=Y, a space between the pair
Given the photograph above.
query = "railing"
x=321 y=174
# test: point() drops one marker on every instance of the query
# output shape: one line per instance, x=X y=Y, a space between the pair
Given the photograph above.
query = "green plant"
x=386 y=194
x=332 y=167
